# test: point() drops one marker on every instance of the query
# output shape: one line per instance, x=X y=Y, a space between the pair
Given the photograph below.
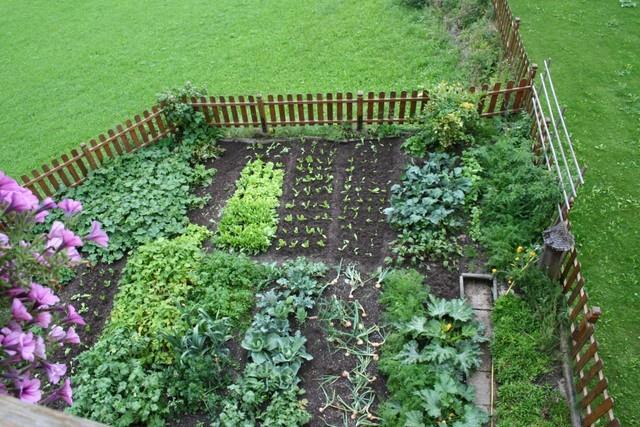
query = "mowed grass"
x=594 y=48
x=70 y=70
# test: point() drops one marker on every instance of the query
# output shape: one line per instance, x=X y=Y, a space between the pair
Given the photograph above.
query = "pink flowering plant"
x=34 y=321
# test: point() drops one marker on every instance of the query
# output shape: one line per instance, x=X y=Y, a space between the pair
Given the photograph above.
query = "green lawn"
x=70 y=70
x=594 y=47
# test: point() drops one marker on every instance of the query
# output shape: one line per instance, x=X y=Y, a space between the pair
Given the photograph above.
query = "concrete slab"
x=482 y=383
x=484 y=316
x=485 y=358
x=479 y=295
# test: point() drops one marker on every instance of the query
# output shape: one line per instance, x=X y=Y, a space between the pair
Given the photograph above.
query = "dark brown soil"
x=228 y=168
x=91 y=292
x=327 y=360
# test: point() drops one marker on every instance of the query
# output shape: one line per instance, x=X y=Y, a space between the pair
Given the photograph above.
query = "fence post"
x=532 y=72
x=359 y=111
x=263 y=118
x=557 y=241
x=515 y=26
x=88 y=156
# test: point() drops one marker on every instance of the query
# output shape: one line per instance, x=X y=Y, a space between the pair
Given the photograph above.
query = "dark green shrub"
x=450 y=118
x=518 y=198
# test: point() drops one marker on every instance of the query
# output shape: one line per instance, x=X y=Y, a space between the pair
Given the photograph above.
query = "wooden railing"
x=263 y=113
x=71 y=169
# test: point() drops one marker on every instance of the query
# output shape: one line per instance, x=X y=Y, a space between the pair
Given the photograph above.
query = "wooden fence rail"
x=263 y=113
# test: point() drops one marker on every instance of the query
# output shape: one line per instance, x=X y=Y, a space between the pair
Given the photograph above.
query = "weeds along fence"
x=263 y=113
x=553 y=142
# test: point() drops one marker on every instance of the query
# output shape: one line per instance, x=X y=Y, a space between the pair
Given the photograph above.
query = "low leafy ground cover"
x=597 y=77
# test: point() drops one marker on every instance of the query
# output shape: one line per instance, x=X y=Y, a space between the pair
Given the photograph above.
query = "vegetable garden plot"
x=333 y=197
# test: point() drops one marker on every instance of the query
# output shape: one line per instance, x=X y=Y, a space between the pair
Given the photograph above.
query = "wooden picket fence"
x=263 y=113
x=553 y=140
x=513 y=47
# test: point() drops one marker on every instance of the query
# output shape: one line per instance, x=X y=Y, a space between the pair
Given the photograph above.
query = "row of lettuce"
x=178 y=305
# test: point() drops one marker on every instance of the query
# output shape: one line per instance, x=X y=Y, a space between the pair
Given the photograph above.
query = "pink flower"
x=55 y=371
x=42 y=295
x=40 y=216
x=19 y=311
x=71 y=337
x=73 y=255
x=65 y=393
x=48 y=203
x=26 y=346
x=70 y=207
x=17 y=199
x=59 y=237
x=28 y=390
x=43 y=319
x=4 y=241
x=73 y=316
x=10 y=340
x=57 y=333
x=40 y=349
x=16 y=292
x=97 y=235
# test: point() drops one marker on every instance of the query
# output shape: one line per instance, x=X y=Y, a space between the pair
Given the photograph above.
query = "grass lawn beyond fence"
x=71 y=70
x=596 y=68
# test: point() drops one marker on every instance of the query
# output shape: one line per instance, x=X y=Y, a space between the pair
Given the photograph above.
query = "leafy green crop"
x=249 y=220
x=139 y=197
x=426 y=208
x=268 y=391
x=171 y=318
x=426 y=357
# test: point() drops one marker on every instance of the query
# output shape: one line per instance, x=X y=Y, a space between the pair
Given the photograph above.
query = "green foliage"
x=426 y=208
x=154 y=285
x=176 y=306
x=268 y=391
x=192 y=129
x=517 y=199
x=114 y=386
x=426 y=358
x=227 y=284
x=524 y=349
x=403 y=296
x=249 y=220
x=450 y=118
x=139 y=197
x=524 y=404
x=202 y=364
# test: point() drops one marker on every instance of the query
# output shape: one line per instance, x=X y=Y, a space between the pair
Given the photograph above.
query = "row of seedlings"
x=307 y=218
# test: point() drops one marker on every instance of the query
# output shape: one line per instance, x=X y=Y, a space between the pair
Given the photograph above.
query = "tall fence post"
x=511 y=40
x=557 y=241
x=359 y=111
x=263 y=117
